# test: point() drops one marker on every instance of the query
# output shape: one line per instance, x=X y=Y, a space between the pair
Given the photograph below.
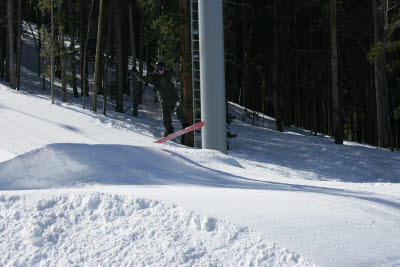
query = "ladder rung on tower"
x=194 y=19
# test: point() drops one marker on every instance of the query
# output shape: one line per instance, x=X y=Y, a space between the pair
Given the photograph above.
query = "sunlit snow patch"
x=98 y=229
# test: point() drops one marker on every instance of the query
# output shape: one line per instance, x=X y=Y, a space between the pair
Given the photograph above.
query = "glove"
x=178 y=104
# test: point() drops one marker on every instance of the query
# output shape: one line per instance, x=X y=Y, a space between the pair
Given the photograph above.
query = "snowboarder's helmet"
x=160 y=65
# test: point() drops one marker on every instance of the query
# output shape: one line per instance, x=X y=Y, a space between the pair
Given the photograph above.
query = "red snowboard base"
x=186 y=130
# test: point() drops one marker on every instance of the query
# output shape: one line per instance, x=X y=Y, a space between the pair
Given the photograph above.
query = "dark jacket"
x=163 y=84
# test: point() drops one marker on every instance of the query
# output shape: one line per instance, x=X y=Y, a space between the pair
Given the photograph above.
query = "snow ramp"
x=65 y=165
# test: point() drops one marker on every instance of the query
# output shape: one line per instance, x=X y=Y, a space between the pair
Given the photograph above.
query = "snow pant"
x=167 y=111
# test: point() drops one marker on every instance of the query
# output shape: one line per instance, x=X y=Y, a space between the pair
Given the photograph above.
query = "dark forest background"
x=328 y=66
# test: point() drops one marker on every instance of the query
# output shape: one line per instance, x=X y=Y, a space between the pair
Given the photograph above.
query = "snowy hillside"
x=293 y=189
x=79 y=188
x=85 y=226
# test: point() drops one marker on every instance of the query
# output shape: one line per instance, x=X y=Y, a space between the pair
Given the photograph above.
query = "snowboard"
x=181 y=132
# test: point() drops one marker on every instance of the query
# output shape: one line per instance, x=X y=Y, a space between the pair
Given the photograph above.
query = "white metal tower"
x=212 y=74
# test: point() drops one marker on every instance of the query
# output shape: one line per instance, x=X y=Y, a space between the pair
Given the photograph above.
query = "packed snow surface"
x=80 y=188
x=65 y=228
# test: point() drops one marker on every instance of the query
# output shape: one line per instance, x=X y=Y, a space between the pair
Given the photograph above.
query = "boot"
x=183 y=139
x=166 y=133
x=184 y=125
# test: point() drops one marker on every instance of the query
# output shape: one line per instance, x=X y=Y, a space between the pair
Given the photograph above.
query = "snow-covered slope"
x=97 y=191
x=258 y=185
x=83 y=226
x=65 y=228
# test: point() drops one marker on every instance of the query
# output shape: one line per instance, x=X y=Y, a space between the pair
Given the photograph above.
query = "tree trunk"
x=57 y=54
x=372 y=129
x=119 y=62
x=386 y=91
x=132 y=36
x=82 y=38
x=286 y=80
x=379 y=82
x=336 y=117
x=40 y=46
x=125 y=49
x=315 y=113
x=2 y=54
x=72 y=25
x=396 y=130
x=324 y=122
x=97 y=76
x=106 y=63
x=243 y=99
x=364 y=124
x=85 y=67
x=141 y=55
x=19 y=46
x=52 y=54
x=11 y=66
x=39 y=59
x=275 y=67
x=64 y=97
x=7 y=66
x=186 y=69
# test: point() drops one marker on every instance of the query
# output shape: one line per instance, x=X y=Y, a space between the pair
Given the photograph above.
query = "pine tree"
x=52 y=52
x=97 y=74
x=83 y=31
x=107 y=61
x=3 y=41
x=119 y=55
x=11 y=67
x=132 y=35
x=337 y=123
x=72 y=26
x=62 y=53
x=19 y=33
x=275 y=67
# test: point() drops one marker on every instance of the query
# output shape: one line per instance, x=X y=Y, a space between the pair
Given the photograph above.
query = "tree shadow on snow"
x=316 y=158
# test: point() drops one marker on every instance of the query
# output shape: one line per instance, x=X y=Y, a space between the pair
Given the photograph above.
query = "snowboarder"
x=161 y=79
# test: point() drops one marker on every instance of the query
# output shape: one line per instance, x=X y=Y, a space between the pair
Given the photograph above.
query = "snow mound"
x=64 y=165
x=210 y=158
x=98 y=229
